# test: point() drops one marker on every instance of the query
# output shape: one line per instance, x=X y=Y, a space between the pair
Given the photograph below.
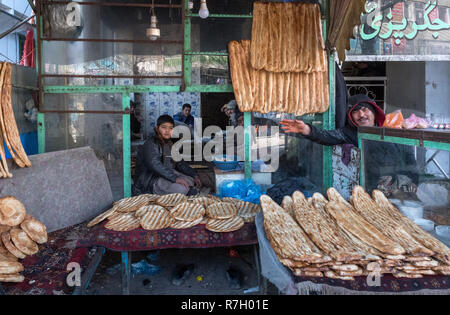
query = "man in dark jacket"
x=381 y=158
x=185 y=115
x=363 y=112
x=156 y=171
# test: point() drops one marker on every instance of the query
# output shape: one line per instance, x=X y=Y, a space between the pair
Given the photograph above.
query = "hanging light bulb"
x=190 y=5
x=153 y=33
x=203 y=13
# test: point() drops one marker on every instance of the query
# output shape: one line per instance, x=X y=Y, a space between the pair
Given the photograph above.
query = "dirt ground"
x=208 y=278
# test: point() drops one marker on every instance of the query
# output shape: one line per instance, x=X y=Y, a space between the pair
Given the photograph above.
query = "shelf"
x=430 y=138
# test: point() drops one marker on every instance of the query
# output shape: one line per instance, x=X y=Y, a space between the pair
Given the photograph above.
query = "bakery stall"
x=395 y=160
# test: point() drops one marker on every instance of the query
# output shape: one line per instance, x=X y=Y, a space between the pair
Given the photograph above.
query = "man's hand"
x=182 y=182
x=198 y=182
x=295 y=126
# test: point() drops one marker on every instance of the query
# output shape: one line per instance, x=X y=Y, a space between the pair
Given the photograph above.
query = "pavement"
x=209 y=276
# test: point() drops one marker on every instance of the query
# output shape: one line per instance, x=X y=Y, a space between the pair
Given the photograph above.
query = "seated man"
x=185 y=116
x=156 y=171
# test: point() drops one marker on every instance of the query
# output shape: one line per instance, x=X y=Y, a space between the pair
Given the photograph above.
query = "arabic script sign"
x=417 y=27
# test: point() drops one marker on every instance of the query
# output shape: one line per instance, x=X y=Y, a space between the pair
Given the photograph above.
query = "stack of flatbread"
x=9 y=133
x=334 y=238
x=284 y=66
x=177 y=211
x=20 y=233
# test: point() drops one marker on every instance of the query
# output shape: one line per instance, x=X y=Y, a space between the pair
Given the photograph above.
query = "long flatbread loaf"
x=3 y=166
x=8 y=122
x=287 y=37
x=369 y=210
x=347 y=218
x=351 y=242
x=286 y=237
x=441 y=250
x=320 y=231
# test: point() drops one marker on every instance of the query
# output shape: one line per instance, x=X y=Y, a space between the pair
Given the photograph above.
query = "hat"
x=164 y=119
x=231 y=104
x=366 y=105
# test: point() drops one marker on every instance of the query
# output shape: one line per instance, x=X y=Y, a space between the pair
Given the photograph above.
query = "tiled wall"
x=157 y=104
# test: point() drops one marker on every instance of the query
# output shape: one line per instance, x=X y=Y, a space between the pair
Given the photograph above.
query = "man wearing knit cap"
x=364 y=112
x=156 y=171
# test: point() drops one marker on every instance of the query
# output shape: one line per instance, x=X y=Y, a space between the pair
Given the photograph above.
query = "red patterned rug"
x=388 y=284
x=142 y=240
x=46 y=272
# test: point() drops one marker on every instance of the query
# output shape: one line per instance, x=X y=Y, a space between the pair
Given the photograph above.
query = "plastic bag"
x=245 y=190
x=394 y=120
x=415 y=122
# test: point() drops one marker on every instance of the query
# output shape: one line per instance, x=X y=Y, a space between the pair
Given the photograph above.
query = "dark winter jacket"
x=153 y=161
x=349 y=133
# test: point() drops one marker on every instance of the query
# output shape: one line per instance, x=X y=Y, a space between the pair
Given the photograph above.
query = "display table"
x=288 y=283
x=144 y=240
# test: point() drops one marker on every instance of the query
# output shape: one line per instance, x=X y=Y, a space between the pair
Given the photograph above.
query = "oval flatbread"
x=4 y=228
x=221 y=210
x=171 y=200
x=247 y=210
x=12 y=211
x=223 y=226
x=10 y=267
x=12 y=278
x=102 y=217
x=6 y=239
x=122 y=223
x=143 y=210
x=35 y=230
x=156 y=219
x=177 y=224
x=231 y=199
x=23 y=242
x=187 y=211
x=205 y=201
x=132 y=204
x=7 y=256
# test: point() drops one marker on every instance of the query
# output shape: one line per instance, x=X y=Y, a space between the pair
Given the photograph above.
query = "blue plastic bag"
x=245 y=190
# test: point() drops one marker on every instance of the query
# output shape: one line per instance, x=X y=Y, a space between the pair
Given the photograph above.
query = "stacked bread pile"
x=337 y=239
x=284 y=66
x=177 y=211
x=9 y=133
x=20 y=234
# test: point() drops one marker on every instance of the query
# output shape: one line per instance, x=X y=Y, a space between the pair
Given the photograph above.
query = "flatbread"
x=12 y=278
x=204 y=201
x=23 y=242
x=12 y=211
x=156 y=219
x=5 y=228
x=221 y=210
x=103 y=216
x=177 y=224
x=188 y=211
x=171 y=200
x=123 y=222
x=247 y=209
x=225 y=225
x=35 y=230
x=6 y=239
x=134 y=203
x=10 y=267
